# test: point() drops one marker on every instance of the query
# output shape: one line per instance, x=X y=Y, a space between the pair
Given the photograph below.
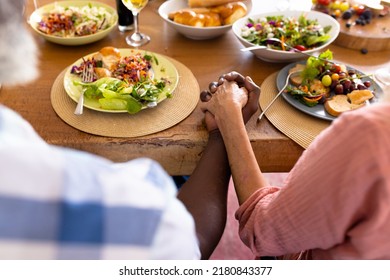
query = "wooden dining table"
x=177 y=148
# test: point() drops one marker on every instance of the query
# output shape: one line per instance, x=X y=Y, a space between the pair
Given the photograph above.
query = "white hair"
x=18 y=51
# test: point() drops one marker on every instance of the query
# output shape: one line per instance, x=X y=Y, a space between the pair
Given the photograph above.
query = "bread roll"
x=212 y=19
x=209 y=17
x=207 y=3
x=231 y=12
x=192 y=18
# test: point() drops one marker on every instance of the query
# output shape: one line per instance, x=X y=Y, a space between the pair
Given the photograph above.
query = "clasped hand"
x=231 y=92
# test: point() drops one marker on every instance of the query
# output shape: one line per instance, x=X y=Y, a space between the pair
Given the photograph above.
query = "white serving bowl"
x=36 y=16
x=271 y=55
x=196 y=33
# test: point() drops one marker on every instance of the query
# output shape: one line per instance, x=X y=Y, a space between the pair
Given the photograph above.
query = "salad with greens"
x=115 y=94
x=301 y=33
x=321 y=78
x=75 y=21
x=127 y=84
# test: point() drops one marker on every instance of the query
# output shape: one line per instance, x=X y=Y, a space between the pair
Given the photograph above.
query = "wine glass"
x=136 y=39
x=283 y=5
x=382 y=75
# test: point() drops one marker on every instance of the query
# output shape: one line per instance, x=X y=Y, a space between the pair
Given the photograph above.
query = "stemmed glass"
x=283 y=5
x=382 y=75
x=136 y=39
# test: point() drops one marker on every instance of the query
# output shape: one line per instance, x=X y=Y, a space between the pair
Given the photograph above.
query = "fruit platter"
x=364 y=25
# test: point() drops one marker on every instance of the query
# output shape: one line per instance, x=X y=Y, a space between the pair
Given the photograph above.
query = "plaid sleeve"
x=74 y=205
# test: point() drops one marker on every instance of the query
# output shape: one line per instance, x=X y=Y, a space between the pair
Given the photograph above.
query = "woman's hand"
x=227 y=98
x=253 y=92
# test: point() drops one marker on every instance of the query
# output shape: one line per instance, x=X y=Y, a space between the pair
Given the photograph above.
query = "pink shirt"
x=336 y=199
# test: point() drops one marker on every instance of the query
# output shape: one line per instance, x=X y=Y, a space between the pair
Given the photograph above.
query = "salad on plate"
x=329 y=84
x=74 y=21
x=122 y=83
x=300 y=32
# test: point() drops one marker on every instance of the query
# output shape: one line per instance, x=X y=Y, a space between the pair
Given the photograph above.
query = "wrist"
x=231 y=119
x=215 y=134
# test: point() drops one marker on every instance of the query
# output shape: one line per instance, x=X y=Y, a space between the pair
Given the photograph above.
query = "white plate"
x=36 y=17
x=164 y=69
x=317 y=111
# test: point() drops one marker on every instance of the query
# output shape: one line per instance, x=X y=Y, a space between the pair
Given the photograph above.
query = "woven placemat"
x=167 y=114
x=298 y=126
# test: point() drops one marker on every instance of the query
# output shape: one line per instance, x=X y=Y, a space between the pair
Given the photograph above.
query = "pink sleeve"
x=327 y=195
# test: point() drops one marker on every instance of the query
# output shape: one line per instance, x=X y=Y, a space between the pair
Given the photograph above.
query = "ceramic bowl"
x=196 y=33
x=36 y=17
x=271 y=55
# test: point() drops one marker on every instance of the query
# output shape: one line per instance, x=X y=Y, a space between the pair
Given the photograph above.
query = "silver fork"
x=286 y=45
x=279 y=93
x=86 y=77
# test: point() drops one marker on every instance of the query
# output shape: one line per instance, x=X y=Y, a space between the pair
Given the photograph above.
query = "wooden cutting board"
x=374 y=36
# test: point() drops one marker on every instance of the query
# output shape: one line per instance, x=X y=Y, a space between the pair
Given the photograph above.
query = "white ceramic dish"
x=271 y=55
x=36 y=17
x=196 y=33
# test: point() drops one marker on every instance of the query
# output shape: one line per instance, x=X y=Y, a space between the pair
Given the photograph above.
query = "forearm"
x=246 y=173
x=205 y=194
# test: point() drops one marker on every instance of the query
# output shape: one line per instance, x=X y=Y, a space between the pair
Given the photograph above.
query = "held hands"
x=233 y=91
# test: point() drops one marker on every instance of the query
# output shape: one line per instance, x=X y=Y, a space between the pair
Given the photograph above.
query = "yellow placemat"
x=298 y=126
x=167 y=113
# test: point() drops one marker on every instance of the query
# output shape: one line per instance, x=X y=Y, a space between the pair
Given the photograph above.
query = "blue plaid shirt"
x=58 y=203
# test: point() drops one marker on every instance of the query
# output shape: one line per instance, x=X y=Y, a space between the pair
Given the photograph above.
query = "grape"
x=339 y=89
x=326 y=80
x=334 y=84
x=335 y=77
x=344 y=6
x=367 y=14
x=361 y=86
x=347 y=14
x=342 y=75
x=347 y=84
x=322 y=100
x=367 y=84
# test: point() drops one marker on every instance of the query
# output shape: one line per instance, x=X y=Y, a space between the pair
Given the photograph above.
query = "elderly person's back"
x=57 y=203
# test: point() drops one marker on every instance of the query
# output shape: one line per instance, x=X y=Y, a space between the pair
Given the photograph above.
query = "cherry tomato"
x=336 y=68
x=359 y=9
x=324 y=2
x=300 y=48
x=335 y=77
